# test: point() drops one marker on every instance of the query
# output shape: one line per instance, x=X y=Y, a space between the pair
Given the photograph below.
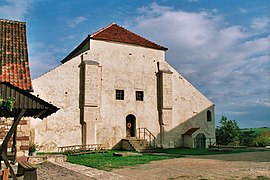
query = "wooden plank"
x=4 y=157
x=6 y=173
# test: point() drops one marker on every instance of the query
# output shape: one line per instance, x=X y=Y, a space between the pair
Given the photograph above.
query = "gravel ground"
x=67 y=171
x=228 y=166
x=55 y=172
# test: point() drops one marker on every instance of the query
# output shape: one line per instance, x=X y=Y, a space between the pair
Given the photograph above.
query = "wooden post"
x=3 y=148
x=5 y=175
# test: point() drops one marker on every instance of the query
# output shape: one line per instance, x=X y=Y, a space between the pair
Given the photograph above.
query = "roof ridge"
x=104 y=35
x=139 y=35
x=99 y=31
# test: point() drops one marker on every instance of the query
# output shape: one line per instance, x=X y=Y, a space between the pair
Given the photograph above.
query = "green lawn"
x=107 y=162
x=199 y=152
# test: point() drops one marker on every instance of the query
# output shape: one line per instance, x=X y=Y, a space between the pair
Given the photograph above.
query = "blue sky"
x=221 y=46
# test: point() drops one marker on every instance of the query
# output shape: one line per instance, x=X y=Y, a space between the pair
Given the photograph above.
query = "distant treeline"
x=229 y=133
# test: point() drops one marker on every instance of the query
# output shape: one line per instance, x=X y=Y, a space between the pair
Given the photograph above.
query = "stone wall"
x=23 y=135
x=60 y=87
x=90 y=113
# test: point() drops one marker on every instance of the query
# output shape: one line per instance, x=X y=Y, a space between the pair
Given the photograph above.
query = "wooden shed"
x=25 y=105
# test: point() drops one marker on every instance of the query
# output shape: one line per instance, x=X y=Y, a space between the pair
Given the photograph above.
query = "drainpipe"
x=159 y=104
x=81 y=100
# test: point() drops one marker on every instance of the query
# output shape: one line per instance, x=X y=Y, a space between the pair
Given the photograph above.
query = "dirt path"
x=229 y=166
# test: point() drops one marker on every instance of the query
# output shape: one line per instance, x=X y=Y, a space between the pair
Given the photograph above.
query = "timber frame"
x=25 y=105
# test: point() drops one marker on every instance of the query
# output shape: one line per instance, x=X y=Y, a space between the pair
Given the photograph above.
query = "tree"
x=247 y=138
x=228 y=132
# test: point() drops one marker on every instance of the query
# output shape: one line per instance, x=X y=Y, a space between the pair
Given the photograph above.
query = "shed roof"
x=14 y=63
x=191 y=131
x=116 y=33
x=35 y=107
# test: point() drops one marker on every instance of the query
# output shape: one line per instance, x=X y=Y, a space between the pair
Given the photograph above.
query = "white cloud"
x=229 y=63
x=41 y=60
x=69 y=37
x=15 y=9
x=265 y=102
x=261 y=24
x=193 y=0
x=78 y=20
x=243 y=10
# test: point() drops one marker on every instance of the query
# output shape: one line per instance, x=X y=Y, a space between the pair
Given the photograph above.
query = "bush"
x=263 y=139
x=32 y=149
x=247 y=138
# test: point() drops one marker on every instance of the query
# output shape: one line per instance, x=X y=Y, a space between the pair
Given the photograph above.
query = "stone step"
x=139 y=145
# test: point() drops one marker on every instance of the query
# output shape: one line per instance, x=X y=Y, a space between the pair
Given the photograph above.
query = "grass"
x=48 y=153
x=258 y=178
x=107 y=162
x=258 y=131
x=199 y=152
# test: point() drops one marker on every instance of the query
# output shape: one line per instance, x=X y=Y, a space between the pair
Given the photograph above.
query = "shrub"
x=263 y=139
x=32 y=149
x=247 y=138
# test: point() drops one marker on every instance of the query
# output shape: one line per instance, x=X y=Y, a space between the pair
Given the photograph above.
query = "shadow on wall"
x=198 y=124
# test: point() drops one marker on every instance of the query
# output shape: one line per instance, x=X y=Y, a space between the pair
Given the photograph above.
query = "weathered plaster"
x=108 y=66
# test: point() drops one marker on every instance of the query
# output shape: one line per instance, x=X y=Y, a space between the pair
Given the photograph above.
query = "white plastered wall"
x=60 y=86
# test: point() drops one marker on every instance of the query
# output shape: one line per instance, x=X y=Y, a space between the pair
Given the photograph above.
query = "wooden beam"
x=3 y=148
x=41 y=113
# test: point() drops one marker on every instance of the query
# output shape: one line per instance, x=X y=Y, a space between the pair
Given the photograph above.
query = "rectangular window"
x=119 y=94
x=139 y=95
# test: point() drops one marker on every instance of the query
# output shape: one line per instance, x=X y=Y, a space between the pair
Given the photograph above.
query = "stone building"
x=115 y=83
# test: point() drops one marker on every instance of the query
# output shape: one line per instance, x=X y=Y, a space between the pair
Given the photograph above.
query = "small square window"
x=139 y=95
x=119 y=94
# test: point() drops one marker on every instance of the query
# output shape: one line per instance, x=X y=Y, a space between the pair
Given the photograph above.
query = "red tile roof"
x=114 y=33
x=14 y=63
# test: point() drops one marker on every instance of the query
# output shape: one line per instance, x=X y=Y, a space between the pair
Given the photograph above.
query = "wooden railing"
x=144 y=133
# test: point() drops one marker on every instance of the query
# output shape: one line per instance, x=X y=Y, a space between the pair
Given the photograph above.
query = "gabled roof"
x=14 y=63
x=35 y=107
x=115 y=33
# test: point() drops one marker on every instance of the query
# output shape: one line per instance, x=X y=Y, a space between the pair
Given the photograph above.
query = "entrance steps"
x=135 y=144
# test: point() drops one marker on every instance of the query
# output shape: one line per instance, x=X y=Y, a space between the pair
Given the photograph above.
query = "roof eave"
x=68 y=57
x=160 y=48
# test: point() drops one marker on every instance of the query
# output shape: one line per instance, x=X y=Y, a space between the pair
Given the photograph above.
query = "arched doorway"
x=199 y=141
x=131 y=125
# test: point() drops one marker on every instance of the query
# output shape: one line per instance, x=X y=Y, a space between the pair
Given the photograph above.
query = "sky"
x=221 y=46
